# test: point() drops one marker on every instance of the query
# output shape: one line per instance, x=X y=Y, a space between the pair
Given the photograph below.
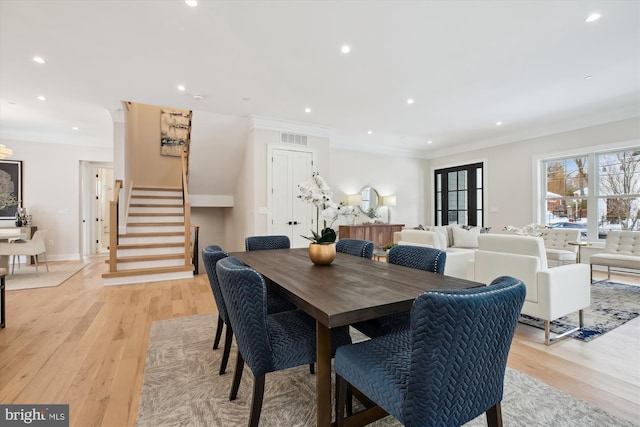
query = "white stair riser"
x=150 y=264
x=149 y=251
x=113 y=281
x=154 y=239
x=159 y=219
x=155 y=229
x=152 y=209
x=173 y=202
x=135 y=193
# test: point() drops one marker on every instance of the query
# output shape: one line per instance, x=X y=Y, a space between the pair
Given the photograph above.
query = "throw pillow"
x=465 y=238
x=444 y=235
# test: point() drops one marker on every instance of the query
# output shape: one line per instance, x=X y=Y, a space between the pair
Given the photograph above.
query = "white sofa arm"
x=563 y=290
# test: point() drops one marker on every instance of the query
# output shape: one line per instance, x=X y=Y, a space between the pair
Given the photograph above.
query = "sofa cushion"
x=444 y=234
x=463 y=238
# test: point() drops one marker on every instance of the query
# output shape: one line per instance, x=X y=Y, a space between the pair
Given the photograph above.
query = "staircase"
x=153 y=247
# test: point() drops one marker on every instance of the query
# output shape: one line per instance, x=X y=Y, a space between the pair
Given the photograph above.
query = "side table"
x=381 y=256
x=579 y=245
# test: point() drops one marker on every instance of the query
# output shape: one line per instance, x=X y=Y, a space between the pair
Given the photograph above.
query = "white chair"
x=551 y=292
x=557 y=247
x=34 y=247
x=621 y=250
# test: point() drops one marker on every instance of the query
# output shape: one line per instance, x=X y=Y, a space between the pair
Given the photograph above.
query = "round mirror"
x=369 y=200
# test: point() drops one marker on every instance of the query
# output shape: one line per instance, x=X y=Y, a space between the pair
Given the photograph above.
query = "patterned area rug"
x=612 y=305
x=182 y=388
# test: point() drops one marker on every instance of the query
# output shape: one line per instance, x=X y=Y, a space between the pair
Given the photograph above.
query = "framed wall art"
x=175 y=130
x=10 y=188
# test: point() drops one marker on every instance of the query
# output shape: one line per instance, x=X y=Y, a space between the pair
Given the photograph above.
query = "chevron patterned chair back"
x=210 y=256
x=260 y=243
x=448 y=368
x=356 y=247
x=418 y=257
x=266 y=342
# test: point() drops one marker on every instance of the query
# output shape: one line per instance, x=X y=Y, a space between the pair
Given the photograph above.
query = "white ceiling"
x=467 y=64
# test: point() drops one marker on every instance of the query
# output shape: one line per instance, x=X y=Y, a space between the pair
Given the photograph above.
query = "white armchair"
x=34 y=247
x=621 y=250
x=551 y=292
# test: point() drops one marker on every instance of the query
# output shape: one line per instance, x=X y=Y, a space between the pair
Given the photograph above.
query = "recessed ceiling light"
x=345 y=48
x=307 y=110
x=429 y=142
x=498 y=123
x=369 y=132
x=191 y=3
x=181 y=88
x=410 y=101
x=75 y=128
x=39 y=59
x=592 y=17
x=42 y=98
x=588 y=77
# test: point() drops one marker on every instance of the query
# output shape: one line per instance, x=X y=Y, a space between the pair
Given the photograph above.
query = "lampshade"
x=5 y=152
x=354 y=199
x=389 y=201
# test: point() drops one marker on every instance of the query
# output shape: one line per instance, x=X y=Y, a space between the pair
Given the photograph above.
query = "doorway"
x=96 y=190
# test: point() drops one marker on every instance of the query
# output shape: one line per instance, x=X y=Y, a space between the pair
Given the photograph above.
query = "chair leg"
x=237 y=376
x=494 y=416
x=35 y=258
x=216 y=342
x=3 y=305
x=312 y=368
x=256 y=402
x=227 y=349
x=45 y=261
x=341 y=400
x=13 y=265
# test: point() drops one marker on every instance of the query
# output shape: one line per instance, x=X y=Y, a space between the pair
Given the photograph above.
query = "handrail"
x=187 y=210
x=114 y=227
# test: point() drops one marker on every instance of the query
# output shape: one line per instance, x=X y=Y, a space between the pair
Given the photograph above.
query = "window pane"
x=453 y=217
x=567 y=177
x=453 y=200
x=619 y=213
x=453 y=180
x=619 y=173
x=462 y=180
x=462 y=200
x=479 y=178
x=438 y=182
x=439 y=202
x=479 y=199
x=462 y=217
x=479 y=218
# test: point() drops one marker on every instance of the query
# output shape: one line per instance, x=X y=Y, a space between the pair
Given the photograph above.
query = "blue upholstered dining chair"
x=448 y=368
x=275 y=302
x=419 y=257
x=266 y=342
x=260 y=243
x=356 y=247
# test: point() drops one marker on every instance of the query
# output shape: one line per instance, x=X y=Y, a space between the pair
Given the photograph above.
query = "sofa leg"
x=547 y=330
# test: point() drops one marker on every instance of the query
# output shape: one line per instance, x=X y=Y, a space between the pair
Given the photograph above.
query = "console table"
x=379 y=234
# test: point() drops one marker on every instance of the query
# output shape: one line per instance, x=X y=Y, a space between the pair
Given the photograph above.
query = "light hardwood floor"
x=85 y=344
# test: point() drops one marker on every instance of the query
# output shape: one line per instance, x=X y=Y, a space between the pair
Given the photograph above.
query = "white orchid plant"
x=317 y=192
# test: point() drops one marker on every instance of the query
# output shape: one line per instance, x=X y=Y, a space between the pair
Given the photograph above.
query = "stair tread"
x=155 y=205
x=151 y=188
x=156 y=214
x=146 y=196
x=153 y=234
x=143 y=271
x=153 y=224
x=142 y=258
x=150 y=245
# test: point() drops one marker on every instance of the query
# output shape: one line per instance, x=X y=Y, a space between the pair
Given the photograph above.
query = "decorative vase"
x=322 y=254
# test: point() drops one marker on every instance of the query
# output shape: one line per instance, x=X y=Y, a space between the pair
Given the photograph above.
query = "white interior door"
x=290 y=215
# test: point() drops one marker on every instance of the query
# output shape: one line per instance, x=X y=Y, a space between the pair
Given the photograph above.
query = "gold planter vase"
x=322 y=254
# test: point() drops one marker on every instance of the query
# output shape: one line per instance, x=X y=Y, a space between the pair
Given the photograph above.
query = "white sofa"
x=551 y=292
x=457 y=258
x=621 y=250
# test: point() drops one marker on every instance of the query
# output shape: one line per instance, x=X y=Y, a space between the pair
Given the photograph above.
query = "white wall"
x=509 y=169
x=400 y=176
x=51 y=194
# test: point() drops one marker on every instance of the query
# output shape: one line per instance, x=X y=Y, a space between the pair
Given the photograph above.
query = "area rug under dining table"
x=182 y=388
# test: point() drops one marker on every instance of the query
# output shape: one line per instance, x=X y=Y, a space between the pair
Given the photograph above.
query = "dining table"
x=349 y=290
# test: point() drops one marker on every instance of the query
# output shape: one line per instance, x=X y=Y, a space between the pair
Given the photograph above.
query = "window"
x=459 y=197
x=597 y=192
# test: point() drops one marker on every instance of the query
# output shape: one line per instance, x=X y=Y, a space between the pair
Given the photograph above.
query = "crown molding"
x=258 y=122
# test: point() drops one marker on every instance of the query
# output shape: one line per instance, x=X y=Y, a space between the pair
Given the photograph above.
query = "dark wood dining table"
x=349 y=290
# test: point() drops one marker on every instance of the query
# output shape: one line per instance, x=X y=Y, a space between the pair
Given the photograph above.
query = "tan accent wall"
x=145 y=164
